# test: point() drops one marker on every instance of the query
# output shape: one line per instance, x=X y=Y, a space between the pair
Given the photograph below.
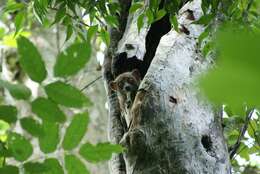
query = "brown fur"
x=126 y=85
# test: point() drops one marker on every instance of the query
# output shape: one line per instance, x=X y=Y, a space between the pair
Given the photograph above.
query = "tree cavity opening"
x=206 y=142
x=123 y=64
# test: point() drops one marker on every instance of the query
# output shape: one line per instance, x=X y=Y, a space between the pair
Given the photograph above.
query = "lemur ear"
x=113 y=85
x=136 y=74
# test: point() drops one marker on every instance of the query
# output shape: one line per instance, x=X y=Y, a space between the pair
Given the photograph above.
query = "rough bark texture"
x=173 y=130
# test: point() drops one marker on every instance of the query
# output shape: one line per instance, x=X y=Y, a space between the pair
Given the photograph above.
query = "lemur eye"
x=131 y=80
x=120 y=84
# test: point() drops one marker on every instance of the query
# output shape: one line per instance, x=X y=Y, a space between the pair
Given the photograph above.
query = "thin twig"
x=91 y=83
x=100 y=21
x=73 y=17
x=236 y=146
x=58 y=38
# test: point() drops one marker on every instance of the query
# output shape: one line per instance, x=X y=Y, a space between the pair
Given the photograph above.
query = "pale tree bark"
x=174 y=130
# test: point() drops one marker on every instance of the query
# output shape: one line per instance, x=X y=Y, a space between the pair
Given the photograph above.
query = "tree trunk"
x=173 y=130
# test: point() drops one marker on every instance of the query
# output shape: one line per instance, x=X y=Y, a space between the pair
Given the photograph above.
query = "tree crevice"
x=123 y=64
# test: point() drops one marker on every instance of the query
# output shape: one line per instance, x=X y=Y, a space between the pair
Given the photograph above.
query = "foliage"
x=48 y=111
x=234 y=80
x=86 y=20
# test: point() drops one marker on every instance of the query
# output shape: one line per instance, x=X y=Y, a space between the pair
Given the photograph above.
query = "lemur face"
x=126 y=85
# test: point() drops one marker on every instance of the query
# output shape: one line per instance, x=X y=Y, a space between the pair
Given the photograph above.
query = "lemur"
x=126 y=85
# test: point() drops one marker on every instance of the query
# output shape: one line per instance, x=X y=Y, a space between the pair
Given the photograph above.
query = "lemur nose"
x=127 y=88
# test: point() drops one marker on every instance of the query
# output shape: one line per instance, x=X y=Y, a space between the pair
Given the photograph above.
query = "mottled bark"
x=174 y=130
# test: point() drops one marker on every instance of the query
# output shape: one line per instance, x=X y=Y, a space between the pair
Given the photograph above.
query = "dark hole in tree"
x=123 y=64
x=206 y=142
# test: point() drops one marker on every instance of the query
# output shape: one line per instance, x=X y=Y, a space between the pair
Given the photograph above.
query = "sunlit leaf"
x=10 y=39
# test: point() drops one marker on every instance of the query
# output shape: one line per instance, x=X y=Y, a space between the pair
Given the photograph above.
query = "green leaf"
x=69 y=32
x=149 y=15
x=140 y=22
x=20 y=147
x=50 y=139
x=105 y=37
x=31 y=126
x=75 y=131
x=18 y=91
x=8 y=113
x=31 y=60
x=35 y=168
x=112 y=20
x=160 y=14
x=74 y=166
x=203 y=35
x=99 y=152
x=18 y=21
x=7 y=169
x=4 y=127
x=39 y=8
x=61 y=13
x=92 y=31
x=207 y=48
x=2 y=33
x=252 y=127
x=236 y=80
x=53 y=166
x=135 y=7
x=66 y=95
x=244 y=151
x=12 y=7
x=47 y=110
x=174 y=22
x=205 y=20
x=73 y=59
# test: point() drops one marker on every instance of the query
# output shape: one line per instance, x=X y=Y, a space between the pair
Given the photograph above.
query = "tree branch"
x=235 y=147
x=91 y=83
x=116 y=128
